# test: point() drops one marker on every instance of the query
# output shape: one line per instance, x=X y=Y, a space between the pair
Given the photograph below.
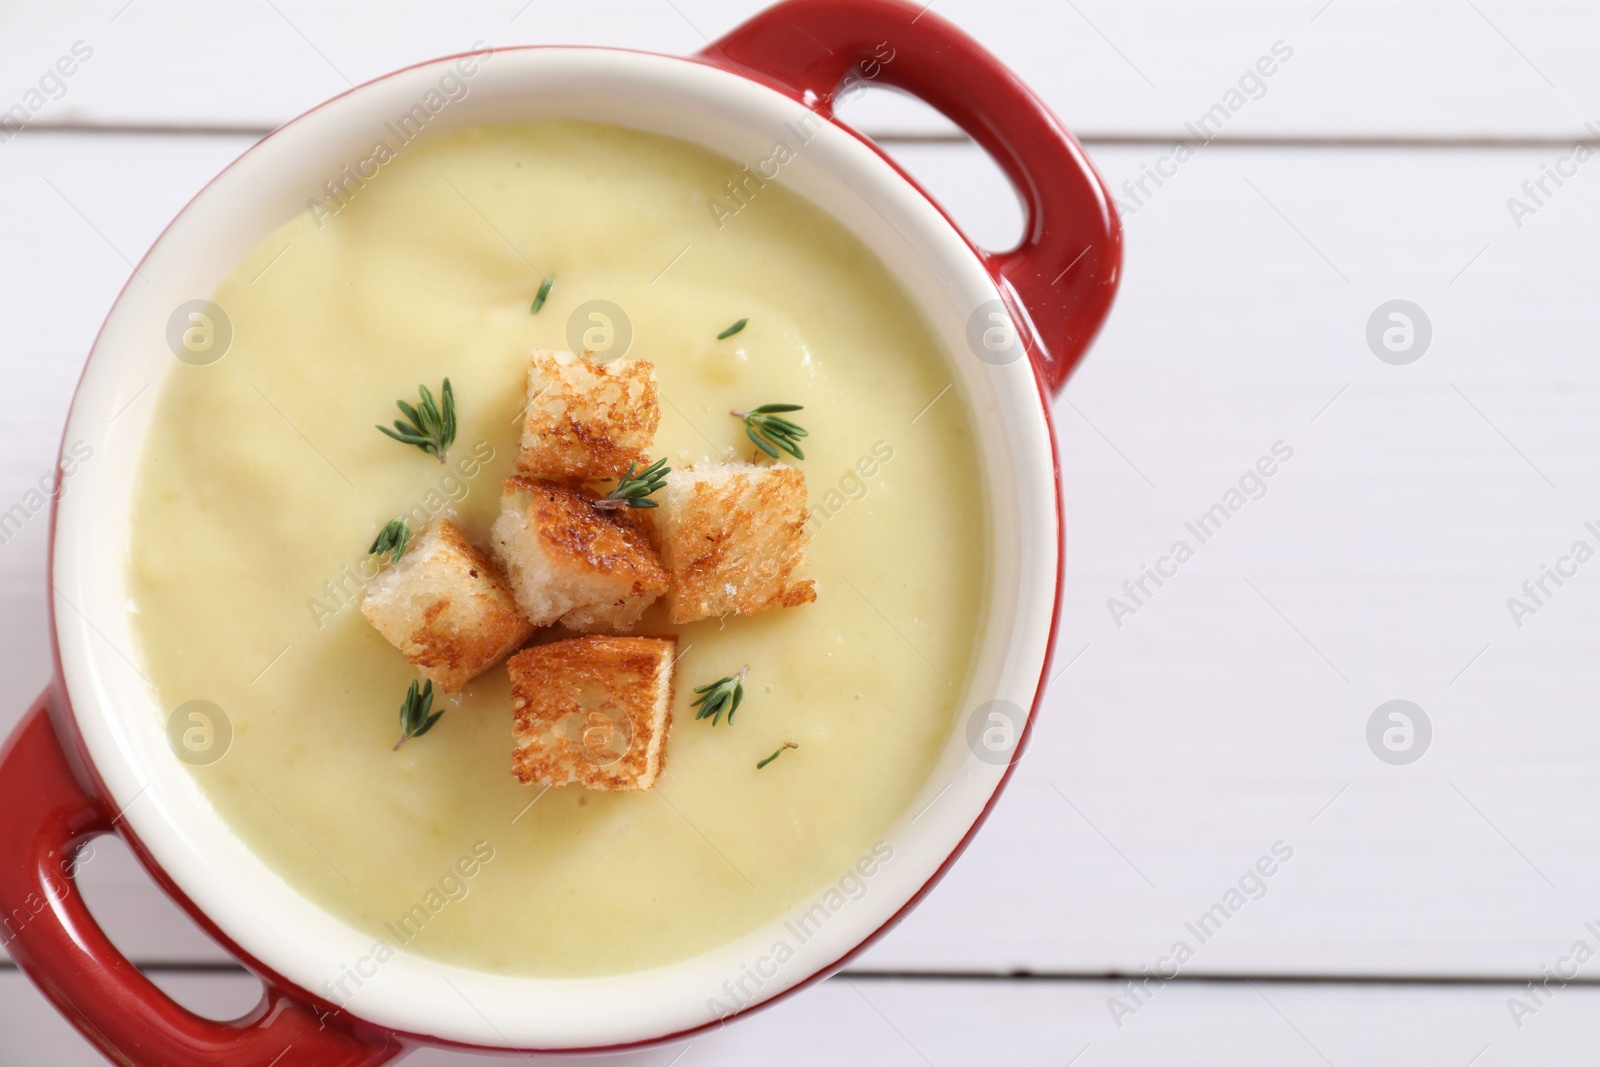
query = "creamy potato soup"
x=264 y=481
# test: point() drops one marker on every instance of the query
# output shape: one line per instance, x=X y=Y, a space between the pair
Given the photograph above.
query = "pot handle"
x=50 y=934
x=1063 y=275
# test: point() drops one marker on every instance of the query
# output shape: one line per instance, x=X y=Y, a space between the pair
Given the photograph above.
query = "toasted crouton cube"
x=446 y=608
x=571 y=562
x=593 y=710
x=587 y=420
x=732 y=537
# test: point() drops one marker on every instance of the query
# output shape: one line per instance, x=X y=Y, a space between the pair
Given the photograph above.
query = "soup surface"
x=263 y=482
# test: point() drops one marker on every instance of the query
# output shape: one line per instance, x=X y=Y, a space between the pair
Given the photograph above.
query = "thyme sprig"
x=395 y=537
x=543 y=294
x=731 y=330
x=786 y=745
x=414 y=718
x=634 y=490
x=724 y=694
x=430 y=426
x=770 y=431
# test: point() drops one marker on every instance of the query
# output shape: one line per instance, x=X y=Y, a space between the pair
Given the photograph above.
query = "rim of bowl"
x=122 y=722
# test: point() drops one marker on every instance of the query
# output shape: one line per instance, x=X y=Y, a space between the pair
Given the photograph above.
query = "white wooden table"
x=1230 y=711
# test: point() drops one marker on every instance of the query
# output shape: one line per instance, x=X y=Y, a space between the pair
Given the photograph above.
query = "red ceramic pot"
x=90 y=757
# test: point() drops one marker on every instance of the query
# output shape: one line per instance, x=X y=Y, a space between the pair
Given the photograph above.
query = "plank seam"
x=1442 y=141
x=1037 y=977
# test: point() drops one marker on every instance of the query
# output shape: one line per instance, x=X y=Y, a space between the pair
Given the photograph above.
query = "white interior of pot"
x=123 y=723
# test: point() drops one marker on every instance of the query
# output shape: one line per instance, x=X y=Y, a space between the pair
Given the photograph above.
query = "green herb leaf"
x=394 y=537
x=775 y=755
x=722 y=695
x=414 y=718
x=430 y=426
x=449 y=418
x=542 y=294
x=633 y=490
x=731 y=330
x=767 y=427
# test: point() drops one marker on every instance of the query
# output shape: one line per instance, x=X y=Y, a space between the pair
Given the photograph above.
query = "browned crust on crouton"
x=579 y=536
x=458 y=638
x=588 y=420
x=735 y=546
x=584 y=710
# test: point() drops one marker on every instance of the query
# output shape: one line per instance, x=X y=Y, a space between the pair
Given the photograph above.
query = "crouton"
x=732 y=537
x=587 y=420
x=571 y=562
x=446 y=608
x=593 y=710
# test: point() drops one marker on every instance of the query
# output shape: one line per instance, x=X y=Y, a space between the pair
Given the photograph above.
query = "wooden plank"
x=1229 y=711
x=920 y=1023
x=1359 y=68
